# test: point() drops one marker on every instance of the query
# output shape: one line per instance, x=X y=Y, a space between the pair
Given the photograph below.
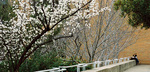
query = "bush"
x=40 y=62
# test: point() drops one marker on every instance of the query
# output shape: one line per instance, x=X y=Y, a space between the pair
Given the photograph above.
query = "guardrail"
x=82 y=66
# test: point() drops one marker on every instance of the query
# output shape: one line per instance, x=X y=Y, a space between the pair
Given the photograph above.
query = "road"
x=139 y=68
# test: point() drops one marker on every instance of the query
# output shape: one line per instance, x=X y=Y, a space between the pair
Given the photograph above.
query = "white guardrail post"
x=99 y=62
x=81 y=65
x=84 y=67
x=125 y=59
x=128 y=58
x=94 y=64
x=78 y=68
x=107 y=62
x=115 y=61
x=120 y=60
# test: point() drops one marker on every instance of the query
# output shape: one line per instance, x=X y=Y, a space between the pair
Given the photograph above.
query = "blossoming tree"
x=31 y=24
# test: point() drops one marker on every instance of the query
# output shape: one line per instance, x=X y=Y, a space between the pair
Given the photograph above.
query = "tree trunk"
x=16 y=70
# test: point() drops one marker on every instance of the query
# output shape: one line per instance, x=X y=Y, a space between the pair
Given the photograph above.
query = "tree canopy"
x=138 y=12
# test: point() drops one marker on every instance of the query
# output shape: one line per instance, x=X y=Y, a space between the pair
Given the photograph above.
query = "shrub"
x=40 y=62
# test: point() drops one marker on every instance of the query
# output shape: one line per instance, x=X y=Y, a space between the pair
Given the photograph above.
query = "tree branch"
x=46 y=43
x=42 y=22
x=44 y=14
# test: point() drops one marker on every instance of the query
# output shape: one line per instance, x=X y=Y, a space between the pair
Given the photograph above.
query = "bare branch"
x=44 y=14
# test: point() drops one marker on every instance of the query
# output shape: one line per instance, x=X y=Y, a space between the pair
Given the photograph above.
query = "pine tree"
x=138 y=12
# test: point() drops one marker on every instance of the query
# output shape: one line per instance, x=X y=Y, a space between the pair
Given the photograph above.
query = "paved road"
x=139 y=68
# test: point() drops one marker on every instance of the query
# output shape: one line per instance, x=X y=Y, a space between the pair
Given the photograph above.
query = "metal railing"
x=82 y=66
